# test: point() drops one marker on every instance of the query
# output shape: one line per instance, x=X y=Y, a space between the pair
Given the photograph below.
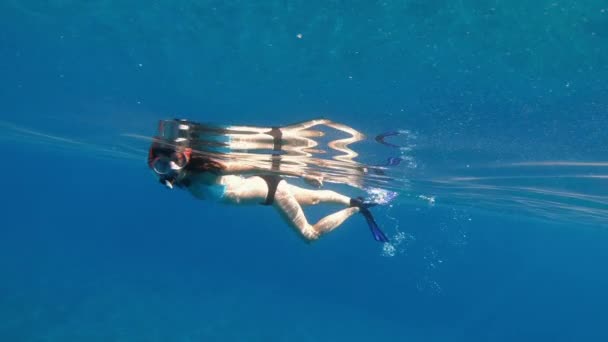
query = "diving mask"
x=164 y=165
x=170 y=152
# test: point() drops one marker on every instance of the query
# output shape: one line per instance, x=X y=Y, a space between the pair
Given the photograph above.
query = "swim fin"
x=364 y=210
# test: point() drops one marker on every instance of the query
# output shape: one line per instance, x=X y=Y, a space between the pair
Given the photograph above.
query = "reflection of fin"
x=393 y=161
x=380 y=137
x=364 y=210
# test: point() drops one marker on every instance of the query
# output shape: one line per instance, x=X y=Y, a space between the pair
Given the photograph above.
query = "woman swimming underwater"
x=189 y=156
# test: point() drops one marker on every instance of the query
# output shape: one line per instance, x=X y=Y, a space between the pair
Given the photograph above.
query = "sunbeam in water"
x=559 y=191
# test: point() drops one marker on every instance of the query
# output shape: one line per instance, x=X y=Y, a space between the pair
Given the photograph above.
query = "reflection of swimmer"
x=177 y=164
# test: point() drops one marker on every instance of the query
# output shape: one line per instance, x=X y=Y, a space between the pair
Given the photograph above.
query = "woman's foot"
x=361 y=203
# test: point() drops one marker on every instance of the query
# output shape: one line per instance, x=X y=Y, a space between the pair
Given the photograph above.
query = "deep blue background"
x=92 y=249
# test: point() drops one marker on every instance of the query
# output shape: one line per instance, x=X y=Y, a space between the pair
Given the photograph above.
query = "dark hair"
x=201 y=163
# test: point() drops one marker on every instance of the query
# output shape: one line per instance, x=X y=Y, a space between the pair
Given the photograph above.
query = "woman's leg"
x=289 y=199
x=290 y=209
x=255 y=189
x=312 y=197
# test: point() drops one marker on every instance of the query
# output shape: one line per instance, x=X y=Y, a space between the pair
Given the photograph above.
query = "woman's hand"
x=316 y=181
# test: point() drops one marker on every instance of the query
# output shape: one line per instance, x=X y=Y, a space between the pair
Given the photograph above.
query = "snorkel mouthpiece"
x=167 y=182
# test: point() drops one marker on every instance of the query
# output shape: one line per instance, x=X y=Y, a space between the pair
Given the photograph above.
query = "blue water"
x=93 y=249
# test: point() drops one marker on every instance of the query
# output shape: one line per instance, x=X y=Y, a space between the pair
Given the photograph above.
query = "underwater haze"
x=500 y=224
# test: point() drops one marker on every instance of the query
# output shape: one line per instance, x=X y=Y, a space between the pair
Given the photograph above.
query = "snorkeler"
x=188 y=155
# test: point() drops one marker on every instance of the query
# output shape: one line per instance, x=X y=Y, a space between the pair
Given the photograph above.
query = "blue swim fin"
x=364 y=210
x=373 y=226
